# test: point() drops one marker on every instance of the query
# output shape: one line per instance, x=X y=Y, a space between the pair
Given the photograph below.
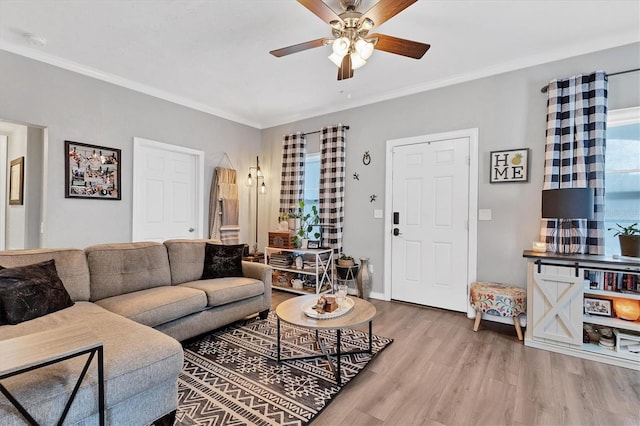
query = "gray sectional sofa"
x=141 y=300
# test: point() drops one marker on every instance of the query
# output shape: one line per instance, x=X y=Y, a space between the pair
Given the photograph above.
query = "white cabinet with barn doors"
x=575 y=305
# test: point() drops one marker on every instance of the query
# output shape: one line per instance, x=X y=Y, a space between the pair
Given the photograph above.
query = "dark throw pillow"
x=31 y=291
x=222 y=261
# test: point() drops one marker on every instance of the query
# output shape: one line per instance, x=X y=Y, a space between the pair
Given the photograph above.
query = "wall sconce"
x=567 y=205
x=255 y=174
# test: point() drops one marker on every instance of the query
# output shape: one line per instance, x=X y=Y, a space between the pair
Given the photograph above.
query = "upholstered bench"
x=498 y=299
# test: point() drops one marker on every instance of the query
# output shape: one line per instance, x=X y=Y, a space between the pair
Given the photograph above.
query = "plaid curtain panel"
x=575 y=147
x=292 y=176
x=332 y=181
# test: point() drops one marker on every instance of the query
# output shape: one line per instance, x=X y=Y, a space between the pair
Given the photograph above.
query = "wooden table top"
x=291 y=311
x=38 y=348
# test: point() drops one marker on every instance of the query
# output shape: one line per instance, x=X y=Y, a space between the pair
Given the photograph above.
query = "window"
x=311 y=181
x=622 y=173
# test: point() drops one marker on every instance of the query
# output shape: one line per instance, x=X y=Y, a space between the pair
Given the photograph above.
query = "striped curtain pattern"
x=292 y=176
x=575 y=147
x=332 y=181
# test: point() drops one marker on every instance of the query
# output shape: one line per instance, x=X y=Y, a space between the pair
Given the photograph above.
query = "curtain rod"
x=546 y=88
x=318 y=131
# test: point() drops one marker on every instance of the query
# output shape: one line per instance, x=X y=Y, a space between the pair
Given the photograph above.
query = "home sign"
x=509 y=166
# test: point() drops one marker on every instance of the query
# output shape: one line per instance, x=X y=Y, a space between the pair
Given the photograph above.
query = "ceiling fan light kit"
x=352 y=45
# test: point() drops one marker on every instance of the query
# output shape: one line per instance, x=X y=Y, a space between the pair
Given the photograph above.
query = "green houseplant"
x=308 y=222
x=346 y=267
x=345 y=260
x=629 y=239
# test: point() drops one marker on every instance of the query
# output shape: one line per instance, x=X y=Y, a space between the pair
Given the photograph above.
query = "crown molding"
x=565 y=52
x=123 y=82
x=504 y=67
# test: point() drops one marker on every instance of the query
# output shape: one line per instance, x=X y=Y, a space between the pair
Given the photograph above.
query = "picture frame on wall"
x=16 y=182
x=601 y=307
x=92 y=171
x=509 y=166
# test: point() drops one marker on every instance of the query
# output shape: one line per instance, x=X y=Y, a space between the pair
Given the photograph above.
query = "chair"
x=498 y=299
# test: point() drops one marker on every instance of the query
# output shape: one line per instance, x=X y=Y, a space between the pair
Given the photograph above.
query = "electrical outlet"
x=377 y=214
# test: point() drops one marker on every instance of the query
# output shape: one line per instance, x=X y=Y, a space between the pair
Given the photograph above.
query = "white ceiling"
x=212 y=55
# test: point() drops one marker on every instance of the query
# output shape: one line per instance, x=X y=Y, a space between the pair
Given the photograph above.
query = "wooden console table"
x=26 y=353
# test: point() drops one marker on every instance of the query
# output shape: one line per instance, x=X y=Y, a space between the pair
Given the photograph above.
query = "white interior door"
x=167 y=191
x=430 y=204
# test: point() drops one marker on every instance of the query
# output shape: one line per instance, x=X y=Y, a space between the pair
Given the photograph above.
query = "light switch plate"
x=484 y=214
x=377 y=213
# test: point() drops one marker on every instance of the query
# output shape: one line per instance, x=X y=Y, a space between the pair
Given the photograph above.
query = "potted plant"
x=345 y=260
x=629 y=238
x=346 y=264
x=308 y=222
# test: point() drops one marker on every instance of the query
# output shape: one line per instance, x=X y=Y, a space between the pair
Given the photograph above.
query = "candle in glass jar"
x=539 y=247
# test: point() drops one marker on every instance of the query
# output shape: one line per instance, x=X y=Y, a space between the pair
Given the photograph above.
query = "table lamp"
x=567 y=205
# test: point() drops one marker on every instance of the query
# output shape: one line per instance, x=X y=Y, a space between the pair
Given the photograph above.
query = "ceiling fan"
x=351 y=41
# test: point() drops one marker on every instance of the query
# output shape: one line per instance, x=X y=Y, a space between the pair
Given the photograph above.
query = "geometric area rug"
x=231 y=376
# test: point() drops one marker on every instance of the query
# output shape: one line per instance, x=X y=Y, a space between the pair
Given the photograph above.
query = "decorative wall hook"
x=366 y=158
x=356 y=176
x=372 y=198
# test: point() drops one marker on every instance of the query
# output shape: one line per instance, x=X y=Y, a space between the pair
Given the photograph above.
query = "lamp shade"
x=567 y=203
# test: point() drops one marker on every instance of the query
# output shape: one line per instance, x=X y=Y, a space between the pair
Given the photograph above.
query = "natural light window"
x=311 y=181
x=622 y=173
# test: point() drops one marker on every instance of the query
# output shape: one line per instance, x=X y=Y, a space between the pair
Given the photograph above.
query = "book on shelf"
x=613 y=281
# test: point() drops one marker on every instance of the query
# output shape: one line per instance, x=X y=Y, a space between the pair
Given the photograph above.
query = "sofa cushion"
x=157 y=305
x=186 y=258
x=71 y=265
x=31 y=291
x=136 y=358
x=127 y=267
x=221 y=291
x=222 y=261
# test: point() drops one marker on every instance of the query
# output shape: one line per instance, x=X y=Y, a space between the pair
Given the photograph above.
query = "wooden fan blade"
x=345 y=71
x=385 y=10
x=299 y=47
x=321 y=10
x=400 y=46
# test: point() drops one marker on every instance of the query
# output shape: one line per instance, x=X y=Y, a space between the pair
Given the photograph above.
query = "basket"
x=281 y=240
x=282 y=278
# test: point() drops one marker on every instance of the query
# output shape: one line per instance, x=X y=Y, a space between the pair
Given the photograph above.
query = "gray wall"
x=75 y=107
x=508 y=110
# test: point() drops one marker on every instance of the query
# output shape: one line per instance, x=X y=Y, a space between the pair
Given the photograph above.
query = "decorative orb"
x=627 y=309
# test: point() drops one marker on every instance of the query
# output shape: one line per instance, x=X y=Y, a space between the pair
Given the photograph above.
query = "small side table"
x=37 y=350
x=349 y=278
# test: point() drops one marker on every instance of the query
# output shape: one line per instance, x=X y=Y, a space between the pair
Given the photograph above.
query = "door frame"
x=472 y=255
x=136 y=211
x=3 y=190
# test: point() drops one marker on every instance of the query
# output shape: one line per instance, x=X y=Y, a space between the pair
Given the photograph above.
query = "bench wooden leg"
x=516 y=322
x=478 y=319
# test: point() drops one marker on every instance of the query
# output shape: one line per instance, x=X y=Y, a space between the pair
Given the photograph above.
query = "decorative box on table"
x=281 y=240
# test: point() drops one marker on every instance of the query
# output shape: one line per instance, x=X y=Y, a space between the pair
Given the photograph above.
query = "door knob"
x=191 y=229
x=396 y=232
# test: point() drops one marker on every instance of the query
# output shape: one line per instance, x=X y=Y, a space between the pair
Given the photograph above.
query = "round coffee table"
x=291 y=312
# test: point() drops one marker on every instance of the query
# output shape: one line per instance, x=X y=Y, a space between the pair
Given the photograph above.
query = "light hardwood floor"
x=439 y=372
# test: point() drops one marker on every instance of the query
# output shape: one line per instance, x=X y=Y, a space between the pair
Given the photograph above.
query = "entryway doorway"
x=431 y=219
x=168 y=183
